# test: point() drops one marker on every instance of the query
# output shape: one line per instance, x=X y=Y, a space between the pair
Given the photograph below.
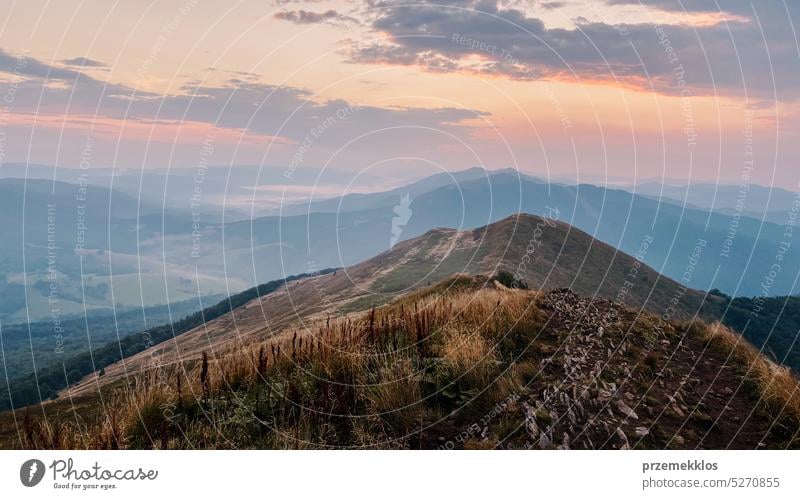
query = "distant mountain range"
x=235 y=192
x=771 y=204
x=157 y=254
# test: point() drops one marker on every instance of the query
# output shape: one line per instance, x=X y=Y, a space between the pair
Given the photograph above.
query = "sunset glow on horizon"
x=656 y=89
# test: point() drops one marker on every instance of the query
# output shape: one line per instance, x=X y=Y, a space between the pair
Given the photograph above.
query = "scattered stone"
x=530 y=421
x=623 y=438
x=626 y=410
x=544 y=441
x=565 y=441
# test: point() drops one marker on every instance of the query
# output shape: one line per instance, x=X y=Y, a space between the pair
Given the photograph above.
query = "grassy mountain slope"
x=464 y=364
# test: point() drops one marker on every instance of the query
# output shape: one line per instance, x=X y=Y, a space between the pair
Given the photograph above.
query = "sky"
x=682 y=90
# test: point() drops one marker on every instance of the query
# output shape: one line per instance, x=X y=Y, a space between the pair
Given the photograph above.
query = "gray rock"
x=626 y=410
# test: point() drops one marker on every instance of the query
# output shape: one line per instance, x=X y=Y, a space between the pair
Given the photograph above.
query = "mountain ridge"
x=614 y=216
x=439 y=254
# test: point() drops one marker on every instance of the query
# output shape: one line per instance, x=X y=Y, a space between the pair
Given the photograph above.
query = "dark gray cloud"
x=22 y=65
x=83 y=62
x=757 y=56
x=307 y=17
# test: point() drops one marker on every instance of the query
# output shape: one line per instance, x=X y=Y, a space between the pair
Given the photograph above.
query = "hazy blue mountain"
x=772 y=204
x=35 y=213
x=69 y=248
x=369 y=201
x=212 y=191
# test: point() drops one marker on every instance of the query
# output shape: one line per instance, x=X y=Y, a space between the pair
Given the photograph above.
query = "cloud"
x=307 y=17
x=286 y=2
x=743 y=55
x=83 y=62
x=730 y=6
x=288 y=113
x=22 y=65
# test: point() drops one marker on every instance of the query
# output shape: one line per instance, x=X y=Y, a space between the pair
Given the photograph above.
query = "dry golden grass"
x=356 y=380
x=375 y=380
x=396 y=393
x=467 y=355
